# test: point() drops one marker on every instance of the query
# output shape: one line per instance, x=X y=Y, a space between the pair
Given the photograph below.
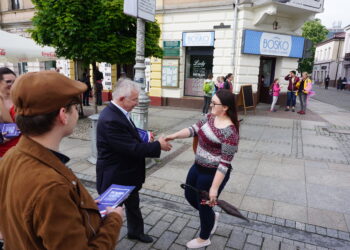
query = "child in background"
x=220 y=81
x=275 y=86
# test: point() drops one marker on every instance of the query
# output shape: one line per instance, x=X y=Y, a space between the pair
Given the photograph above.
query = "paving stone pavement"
x=291 y=178
x=172 y=223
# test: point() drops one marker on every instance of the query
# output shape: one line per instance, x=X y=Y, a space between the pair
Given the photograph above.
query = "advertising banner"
x=263 y=43
x=198 y=39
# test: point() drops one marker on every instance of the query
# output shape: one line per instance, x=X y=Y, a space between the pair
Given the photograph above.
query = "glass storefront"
x=199 y=64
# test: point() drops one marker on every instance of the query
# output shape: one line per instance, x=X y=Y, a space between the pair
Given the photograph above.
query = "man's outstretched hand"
x=164 y=145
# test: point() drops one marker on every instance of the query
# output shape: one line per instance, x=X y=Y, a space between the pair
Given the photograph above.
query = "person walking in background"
x=208 y=89
x=326 y=82
x=291 y=97
x=86 y=95
x=275 y=87
x=218 y=136
x=228 y=82
x=339 y=83
x=98 y=87
x=304 y=87
x=122 y=153
x=7 y=109
x=343 y=84
x=43 y=205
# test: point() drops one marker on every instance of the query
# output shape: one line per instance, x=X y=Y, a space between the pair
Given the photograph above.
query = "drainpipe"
x=234 y=38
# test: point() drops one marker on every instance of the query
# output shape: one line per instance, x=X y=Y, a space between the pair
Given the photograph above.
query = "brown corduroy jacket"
x=44 y=206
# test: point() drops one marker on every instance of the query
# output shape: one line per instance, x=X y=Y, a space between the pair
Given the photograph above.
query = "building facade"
x=256 y=40
x=328 y=59
x=346 y=54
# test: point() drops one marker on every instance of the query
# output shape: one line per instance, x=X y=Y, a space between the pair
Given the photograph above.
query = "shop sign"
x=171 y=48
x=198 y=39
x=263 y=43
x=145 y=9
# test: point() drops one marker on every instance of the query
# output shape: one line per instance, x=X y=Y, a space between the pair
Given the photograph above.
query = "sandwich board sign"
x=145 y=9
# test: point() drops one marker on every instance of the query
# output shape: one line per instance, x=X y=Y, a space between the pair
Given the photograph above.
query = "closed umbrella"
x=227 y=207
x=15 y=48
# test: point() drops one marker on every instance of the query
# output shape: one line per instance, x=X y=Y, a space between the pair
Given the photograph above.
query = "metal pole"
x=140 y=112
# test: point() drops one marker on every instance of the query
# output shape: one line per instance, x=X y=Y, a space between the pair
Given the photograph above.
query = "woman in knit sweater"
x=218 y=136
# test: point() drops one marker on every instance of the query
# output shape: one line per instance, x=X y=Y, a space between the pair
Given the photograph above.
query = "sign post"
x=143 y=10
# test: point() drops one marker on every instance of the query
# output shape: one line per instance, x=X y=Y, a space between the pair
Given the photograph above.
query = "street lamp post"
x=140 y=112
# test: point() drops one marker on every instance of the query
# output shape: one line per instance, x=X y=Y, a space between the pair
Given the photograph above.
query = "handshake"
x=164 y=142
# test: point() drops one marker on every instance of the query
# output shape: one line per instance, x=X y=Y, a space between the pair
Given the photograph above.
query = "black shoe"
x=143 y=238
x=286 y=109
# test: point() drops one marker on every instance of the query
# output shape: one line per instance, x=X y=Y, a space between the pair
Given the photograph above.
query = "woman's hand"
x=213 y=195
x=170 y=137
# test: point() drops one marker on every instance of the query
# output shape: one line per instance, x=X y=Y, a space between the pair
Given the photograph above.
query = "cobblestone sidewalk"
x=172 y=223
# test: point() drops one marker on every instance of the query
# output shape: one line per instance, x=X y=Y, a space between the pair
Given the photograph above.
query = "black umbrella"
x=227 y=207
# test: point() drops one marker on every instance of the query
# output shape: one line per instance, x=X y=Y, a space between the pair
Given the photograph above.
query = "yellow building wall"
x=72 y=69
x=114 y=75
x=156 y=67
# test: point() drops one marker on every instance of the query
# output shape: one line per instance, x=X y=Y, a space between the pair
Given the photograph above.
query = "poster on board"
x=170 y=73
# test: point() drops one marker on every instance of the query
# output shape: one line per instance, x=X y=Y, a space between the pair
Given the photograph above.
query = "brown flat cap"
x=39 y=93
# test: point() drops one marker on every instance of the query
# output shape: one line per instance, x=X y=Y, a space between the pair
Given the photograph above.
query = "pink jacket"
x=276 y=89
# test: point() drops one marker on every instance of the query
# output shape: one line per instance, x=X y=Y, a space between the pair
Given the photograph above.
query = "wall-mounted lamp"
x=275 y=25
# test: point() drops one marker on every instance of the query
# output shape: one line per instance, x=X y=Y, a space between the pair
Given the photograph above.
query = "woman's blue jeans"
x=202 y=178
x=291 y=99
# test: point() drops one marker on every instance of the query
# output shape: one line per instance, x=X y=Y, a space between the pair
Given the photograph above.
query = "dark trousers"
x=98 y=97
x=86 y=97
x=291 y=99
x=202 y=178
x=207 y=100
x=302 y=99
x=133 y=214
x=326 y=85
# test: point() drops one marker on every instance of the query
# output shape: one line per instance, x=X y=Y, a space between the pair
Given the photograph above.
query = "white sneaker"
x=196 y=244
x=217 y=214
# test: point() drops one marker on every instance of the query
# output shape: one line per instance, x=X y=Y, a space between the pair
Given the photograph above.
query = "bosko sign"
x=264 y=43
x=278 y=45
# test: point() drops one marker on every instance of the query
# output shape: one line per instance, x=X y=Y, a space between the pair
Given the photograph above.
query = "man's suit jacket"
x=121 y=152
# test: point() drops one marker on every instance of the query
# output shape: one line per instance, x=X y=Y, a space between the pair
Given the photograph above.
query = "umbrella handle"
x=184 y=186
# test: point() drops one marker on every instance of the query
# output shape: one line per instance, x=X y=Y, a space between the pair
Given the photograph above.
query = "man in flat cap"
x=42 y=203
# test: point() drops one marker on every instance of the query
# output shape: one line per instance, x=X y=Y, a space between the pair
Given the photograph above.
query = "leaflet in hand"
x=145 y=135
x=9 y=130
x=113 y=197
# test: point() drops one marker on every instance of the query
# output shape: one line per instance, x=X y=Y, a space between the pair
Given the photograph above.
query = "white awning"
x=15 y=48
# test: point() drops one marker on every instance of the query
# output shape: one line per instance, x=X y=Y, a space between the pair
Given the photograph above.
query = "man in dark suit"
x=121 y=153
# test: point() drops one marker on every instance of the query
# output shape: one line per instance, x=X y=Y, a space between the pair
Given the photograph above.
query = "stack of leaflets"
x=145 y=135
x=113 y=197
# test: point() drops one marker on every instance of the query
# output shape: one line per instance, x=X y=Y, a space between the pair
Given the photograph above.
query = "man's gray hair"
x=124 y=88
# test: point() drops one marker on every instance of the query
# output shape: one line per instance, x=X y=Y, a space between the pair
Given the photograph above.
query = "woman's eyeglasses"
x=213 y=103
x=9 y=82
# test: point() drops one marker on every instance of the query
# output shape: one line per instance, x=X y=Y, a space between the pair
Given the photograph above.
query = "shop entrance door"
x=266 y=76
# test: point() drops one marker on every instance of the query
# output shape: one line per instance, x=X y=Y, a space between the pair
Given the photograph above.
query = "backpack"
x=207 y=87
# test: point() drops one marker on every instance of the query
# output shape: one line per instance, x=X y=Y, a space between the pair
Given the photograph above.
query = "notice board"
x=170 y=73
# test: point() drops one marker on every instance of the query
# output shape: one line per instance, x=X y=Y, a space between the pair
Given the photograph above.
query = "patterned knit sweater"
x=215 y=146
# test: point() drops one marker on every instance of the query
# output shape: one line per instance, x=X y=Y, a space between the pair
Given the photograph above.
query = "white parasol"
x=15 y=48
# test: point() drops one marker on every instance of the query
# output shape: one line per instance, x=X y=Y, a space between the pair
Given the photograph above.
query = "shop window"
x=50 y=65
x=22 y=68
x=199 y=64
x=15 y=4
